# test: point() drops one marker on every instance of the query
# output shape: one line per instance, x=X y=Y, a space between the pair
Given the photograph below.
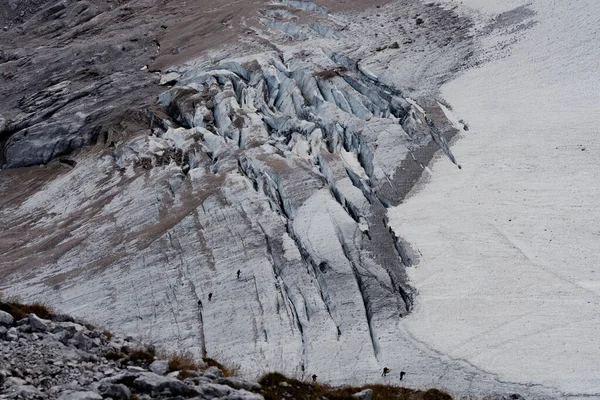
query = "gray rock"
x=132 y=368
x=160 y=367
x=48 y=140
x=62 y=336
x=238 y=383
x=363 y=395
x=213 y=371
x=80 y=395
x=126 y=377
x=81 y=341
x=12 y=334
x=212 y=390
x=70 y=327
x=14 y=381
x=3 y=330
x=38 y=324
x=202 y=380
x=152 y=383
x=84 y=380
x=243 y=395
x=93 y=334
x=6 y=319
x=115 y=391
x=24 y=392
x=174 y=374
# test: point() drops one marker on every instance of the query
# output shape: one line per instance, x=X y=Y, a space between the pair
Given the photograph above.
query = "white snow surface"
x=509 y=246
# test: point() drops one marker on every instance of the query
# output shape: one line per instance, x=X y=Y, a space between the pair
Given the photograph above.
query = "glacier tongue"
x=279 y=165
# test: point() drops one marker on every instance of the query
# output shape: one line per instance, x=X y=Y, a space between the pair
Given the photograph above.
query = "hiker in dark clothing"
x=210 y=296
x=199 y=303
x=402 y=373
x=386 y=371
x=238 y=273
x=314 y=377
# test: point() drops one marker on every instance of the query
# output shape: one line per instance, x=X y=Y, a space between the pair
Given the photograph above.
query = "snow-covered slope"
x=509 y=246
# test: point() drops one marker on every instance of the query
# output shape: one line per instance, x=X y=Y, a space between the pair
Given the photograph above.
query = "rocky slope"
x=62 y=359
x=275 y=157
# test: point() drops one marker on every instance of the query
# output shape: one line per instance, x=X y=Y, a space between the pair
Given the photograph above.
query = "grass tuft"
x=19 y=310
x=181 y=362
x=230 y=370
x=277 y=386
x=114 y=355
x=142 y=355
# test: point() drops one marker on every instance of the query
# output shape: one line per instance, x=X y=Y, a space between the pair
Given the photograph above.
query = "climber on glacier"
x=210 y=296
x=402 y=373
x=200 y=303
x=386 y=371
x=314 y=377
x=238 y=273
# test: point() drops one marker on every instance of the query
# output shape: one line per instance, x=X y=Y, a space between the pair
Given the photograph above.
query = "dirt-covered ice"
x=509 y=246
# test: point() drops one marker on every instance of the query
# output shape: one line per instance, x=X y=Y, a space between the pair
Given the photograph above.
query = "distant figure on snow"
x=402 y=373
x=210 y=296
x=314 y=377
x=199 y=303
x=386 y=371
x=238 y=273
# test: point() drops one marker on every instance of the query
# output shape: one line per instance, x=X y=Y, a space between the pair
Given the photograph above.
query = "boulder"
x=115 y=391
x=79 y=395
x=24 y=392
x=160 y=367
x=363 y=395
x=152 y=383
x=61 y=336
x=213 y=371
x=12 y=334
x=238 y=383
x=212 y=390
x=70 y=327
x=38 y=324
x=133 y=368
x=243 y=395
x=6 y=319
x=126 y=378
x=14 y=381
x=81 y=341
